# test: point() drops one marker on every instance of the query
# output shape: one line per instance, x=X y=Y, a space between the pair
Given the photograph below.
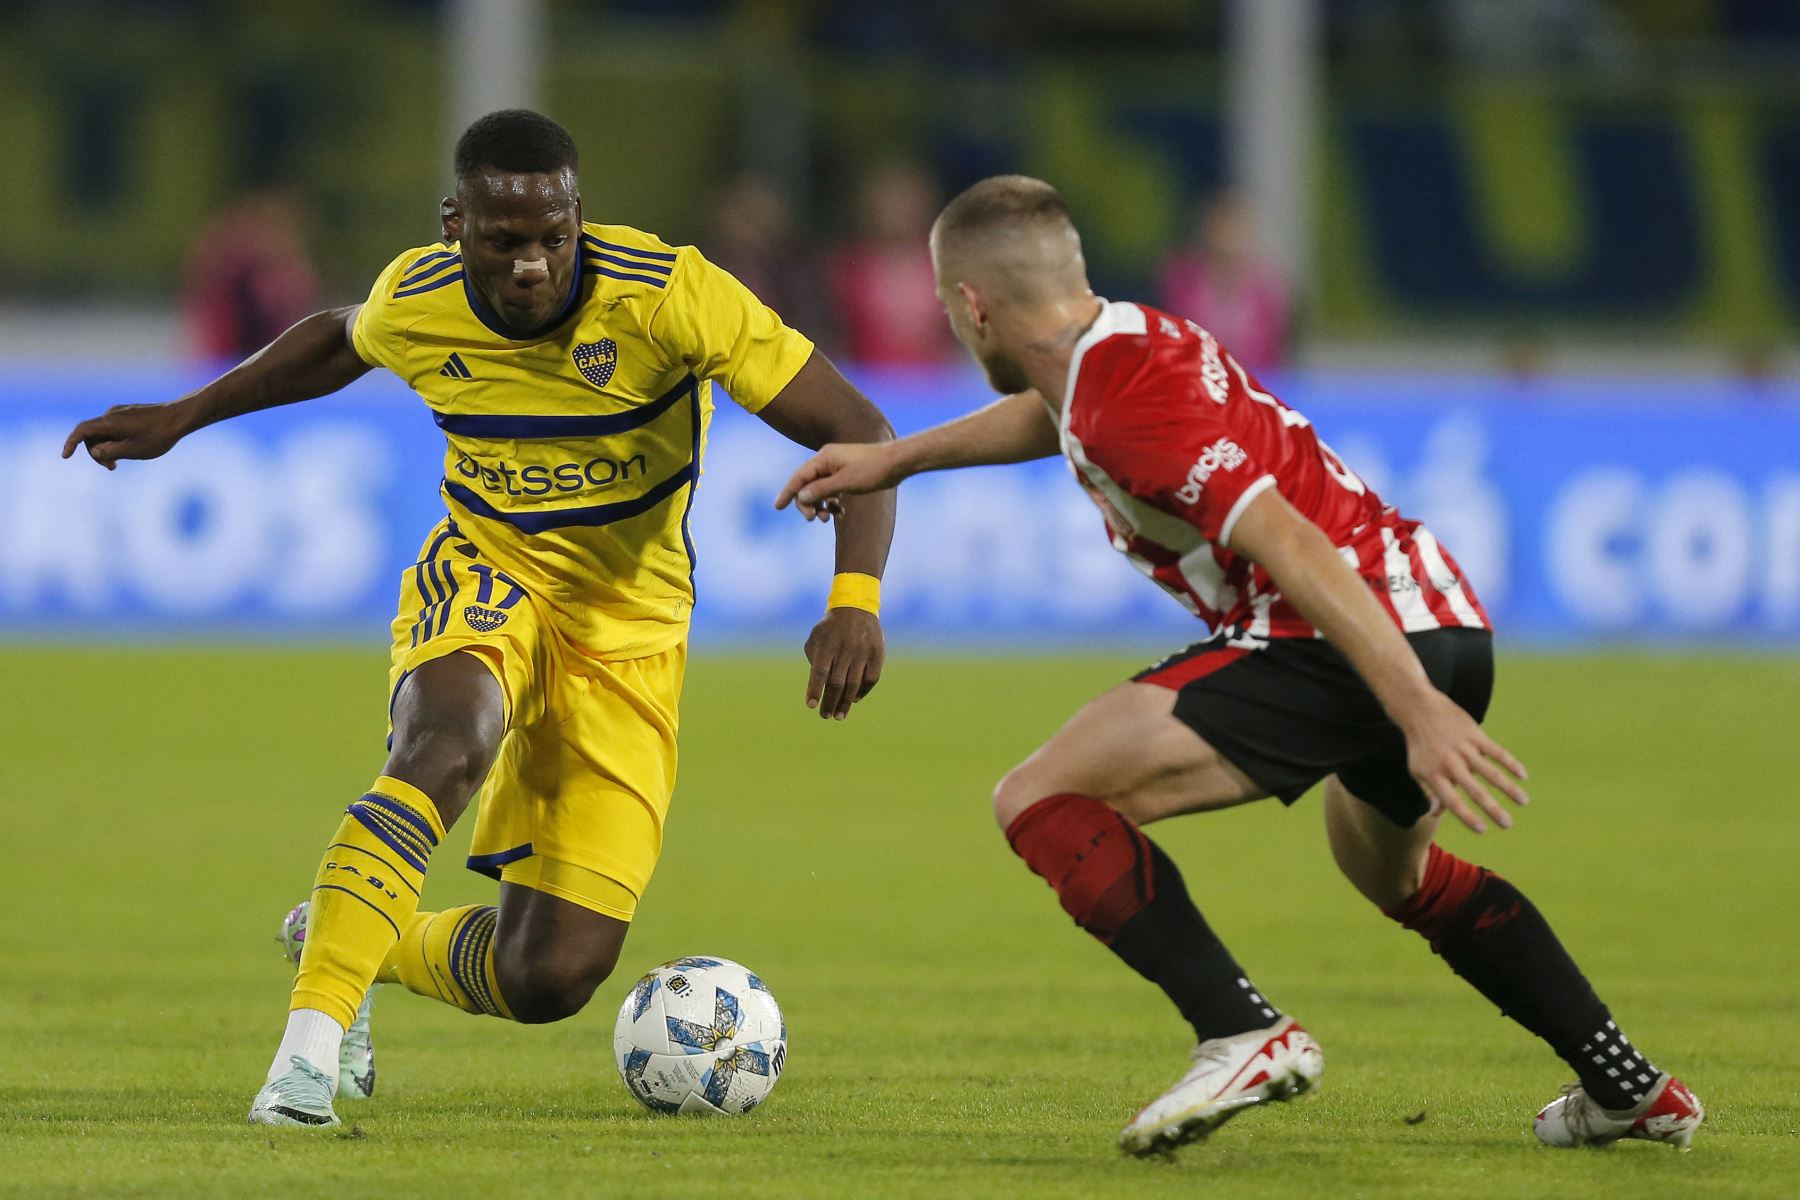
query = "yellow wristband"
x=853 y=589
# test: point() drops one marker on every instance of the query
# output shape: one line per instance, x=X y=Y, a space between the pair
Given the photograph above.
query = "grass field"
x=952 y=1034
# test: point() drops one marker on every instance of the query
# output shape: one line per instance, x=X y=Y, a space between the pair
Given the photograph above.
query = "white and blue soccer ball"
x=700 y=1035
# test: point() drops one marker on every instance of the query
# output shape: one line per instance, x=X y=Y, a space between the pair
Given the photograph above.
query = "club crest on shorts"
x=483 y=620
x=596 y=360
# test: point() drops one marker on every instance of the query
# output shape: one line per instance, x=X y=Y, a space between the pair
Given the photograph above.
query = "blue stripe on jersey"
x=434 y=285
x=428 y=264
x=491 y=319
x=687 y=539
x=595 y=266
x=438 y=597
x=428 y=559
x=490 y=864
x=446 y=599
x=656 y=255
x=443 y=619
x=514 y=427
x=428 y=615
x=594 y=256
x=570 y=518
x=429 y=273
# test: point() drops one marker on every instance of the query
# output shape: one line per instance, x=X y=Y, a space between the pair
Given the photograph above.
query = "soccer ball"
x=700 y=1035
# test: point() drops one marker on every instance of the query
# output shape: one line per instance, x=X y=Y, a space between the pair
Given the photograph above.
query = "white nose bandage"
x=522 y=265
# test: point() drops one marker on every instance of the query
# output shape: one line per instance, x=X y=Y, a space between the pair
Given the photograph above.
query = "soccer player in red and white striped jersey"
x=1345 y=646
x=1174 y=440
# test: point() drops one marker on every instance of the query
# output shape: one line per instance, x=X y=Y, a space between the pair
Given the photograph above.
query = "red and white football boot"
x=1670 y=1113
x=1229 y=1075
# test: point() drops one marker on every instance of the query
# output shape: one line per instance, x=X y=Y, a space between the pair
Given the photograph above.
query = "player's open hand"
x=1457 y=764
x=840 y=469
x=127 y=431
x=846 y=651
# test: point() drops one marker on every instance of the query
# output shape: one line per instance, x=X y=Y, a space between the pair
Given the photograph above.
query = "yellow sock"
x=449 y=956
x=365 y=893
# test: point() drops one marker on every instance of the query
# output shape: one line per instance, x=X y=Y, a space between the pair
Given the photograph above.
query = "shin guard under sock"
x=365 y=893
x=1119 y=886
x=1497 y=940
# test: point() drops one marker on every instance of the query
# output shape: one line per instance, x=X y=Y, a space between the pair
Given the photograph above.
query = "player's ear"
x=972 y=302
x=450 y=218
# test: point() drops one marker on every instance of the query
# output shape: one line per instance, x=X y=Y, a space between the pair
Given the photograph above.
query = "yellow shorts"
x=584 y=775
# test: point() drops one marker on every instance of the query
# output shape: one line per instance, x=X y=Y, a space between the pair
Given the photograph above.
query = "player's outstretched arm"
x=312 y=359
x=1015 y=428
x=846 y=649
x=1447 y=752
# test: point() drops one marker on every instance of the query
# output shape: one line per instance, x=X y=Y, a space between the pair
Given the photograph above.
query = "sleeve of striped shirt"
x=1173 y=452
x=714 y=324
x=372 y=333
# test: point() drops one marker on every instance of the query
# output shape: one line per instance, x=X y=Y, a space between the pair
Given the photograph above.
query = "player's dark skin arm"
x=312 y=359
x=1446 y=750
x=450 y=715
x=846 y=649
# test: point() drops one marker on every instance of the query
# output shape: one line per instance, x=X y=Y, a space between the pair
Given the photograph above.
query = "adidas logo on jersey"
x=1222 y=455
x=454 y=368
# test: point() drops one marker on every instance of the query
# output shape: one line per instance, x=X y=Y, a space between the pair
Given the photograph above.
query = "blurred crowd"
x=868 y=297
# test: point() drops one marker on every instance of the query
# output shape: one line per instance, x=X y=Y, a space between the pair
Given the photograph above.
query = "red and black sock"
x=1121 y=887
x=1495 y=938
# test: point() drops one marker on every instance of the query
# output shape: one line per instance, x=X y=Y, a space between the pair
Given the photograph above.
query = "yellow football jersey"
x=573 y=457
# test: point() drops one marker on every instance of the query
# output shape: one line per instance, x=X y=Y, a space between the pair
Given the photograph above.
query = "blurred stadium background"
x=1534 y=268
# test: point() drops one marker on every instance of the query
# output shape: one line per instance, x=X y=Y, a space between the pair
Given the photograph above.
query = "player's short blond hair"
x=1002 y=202
x=1013 y=232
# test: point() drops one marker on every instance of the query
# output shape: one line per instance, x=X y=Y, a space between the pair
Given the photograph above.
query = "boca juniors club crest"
x=596 y=360
x=483 y=620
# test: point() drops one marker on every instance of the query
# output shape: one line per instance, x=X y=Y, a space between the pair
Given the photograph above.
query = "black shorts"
x=1294 y=711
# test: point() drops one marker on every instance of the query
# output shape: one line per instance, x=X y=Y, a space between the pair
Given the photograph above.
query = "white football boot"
x=1229 y=1075
x=300 y=1099
x=356 y=1054
x=1670 y=1113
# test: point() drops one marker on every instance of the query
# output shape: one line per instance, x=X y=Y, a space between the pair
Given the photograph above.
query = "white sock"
x=312 y=1035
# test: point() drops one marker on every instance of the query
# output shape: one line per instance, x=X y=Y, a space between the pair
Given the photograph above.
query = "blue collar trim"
x=487 y=316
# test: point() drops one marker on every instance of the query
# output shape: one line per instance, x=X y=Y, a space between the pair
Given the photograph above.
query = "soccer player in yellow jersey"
x=541 y=636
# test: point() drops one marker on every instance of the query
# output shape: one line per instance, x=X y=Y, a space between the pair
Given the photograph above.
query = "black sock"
x=1119 y=886
x=1169 y=943
x=1613 y=1071
x=1494 y=937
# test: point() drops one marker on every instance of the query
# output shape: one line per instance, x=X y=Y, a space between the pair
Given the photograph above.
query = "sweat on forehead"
x=491 y=183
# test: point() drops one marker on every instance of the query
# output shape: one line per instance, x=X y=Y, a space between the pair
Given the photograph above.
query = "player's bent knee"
x=1383 y=889
x=541 y=992
x=1015 y=793
x=1395 y=886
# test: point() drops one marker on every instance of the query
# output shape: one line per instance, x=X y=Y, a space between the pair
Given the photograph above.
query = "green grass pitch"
x=952 y=1033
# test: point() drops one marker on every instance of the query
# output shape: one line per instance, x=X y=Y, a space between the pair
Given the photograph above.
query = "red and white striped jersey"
x=1173 y=440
